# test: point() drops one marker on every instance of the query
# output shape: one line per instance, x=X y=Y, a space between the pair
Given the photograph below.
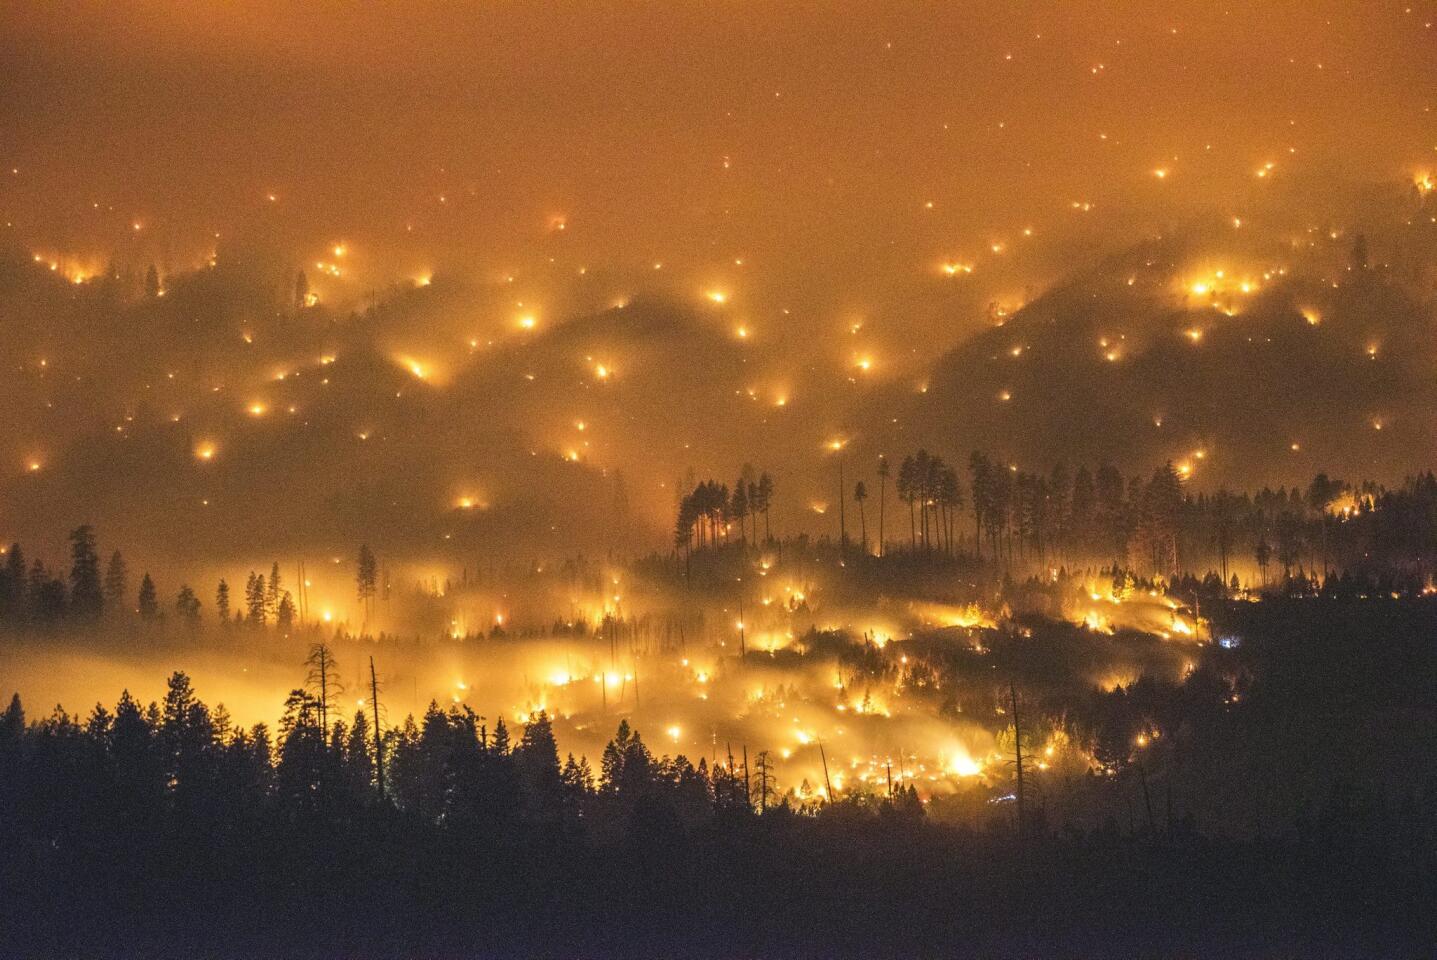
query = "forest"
x=1004 y=526
x=1267 y=785
x=709 y=480
x=147 y=828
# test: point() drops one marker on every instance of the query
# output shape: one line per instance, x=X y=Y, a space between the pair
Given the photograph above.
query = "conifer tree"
x=117 y=582
x=148 y=602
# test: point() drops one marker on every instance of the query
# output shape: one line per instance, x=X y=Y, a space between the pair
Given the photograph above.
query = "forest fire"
x=710 y=480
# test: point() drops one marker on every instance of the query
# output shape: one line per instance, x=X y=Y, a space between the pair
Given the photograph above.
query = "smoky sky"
x=807 y=140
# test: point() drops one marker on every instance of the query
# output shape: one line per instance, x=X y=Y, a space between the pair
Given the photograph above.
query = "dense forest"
x=151 y=828
x=1278 y=793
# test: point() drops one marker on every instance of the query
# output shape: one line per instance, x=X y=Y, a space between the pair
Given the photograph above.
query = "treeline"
x=708 y=511
x=1095 y=516
x=146 y=829
x=1153 y=525
x=34 y=595
x=450 y=766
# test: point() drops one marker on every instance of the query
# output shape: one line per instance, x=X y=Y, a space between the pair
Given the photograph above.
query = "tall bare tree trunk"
x=1018 y=756
x=882 y=490
x=378 y=740
x=827 y=784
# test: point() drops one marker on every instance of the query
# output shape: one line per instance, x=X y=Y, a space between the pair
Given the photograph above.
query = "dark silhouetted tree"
x=1159 y=516
x=284 y=617
x=536 y=762
x=254 y=599
x=883 y=472
x=87 y=599
x=322 y=680
x=12 y=583
x=117 y=582
x=187 y=605
x=45 y=597
x=980 y=473
x=765 y=501
x=272 y=591
x=908 y=493
x=148 y=601
x=860 y=494
x=366 y=579
x=738 y=509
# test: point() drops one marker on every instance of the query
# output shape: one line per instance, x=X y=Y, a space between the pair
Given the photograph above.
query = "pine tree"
x=12 y=583
x=44 y=595
x=148 y=604
x=117 y=582
x=577 y=783
x=883 y=473
x=284 y=616
x=1262 y=553
x=86 y=596
x=500 y=744
x=187 y=605
x=366 y=578
x=908 y=493
x=1159 y=514
x=860 y=494
x=222 y=602
x=357 y=760
x=738 y=508
x=254 y=599
x=272 y=590
x=12 y=723
x=765 y=500
x=536 y=761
